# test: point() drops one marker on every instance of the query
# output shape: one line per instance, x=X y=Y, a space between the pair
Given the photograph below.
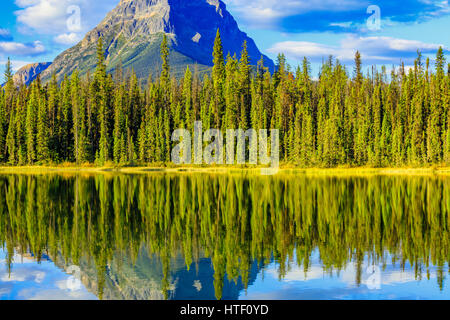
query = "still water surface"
x=234 y=236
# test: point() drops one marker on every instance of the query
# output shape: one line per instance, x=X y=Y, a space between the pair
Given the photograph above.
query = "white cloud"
x=17 y=258
x=329 y=15
x=297 y=273
x=4 y=33
x=287 y=7
x=21 y=49
x=43 y=16
x=67 y=38
x=56 y=17
x=23 y=275
x=57 y=294
x=443 y=7
x=390 y=276
x=4 y=292
x=267 y=12
x=377 y=50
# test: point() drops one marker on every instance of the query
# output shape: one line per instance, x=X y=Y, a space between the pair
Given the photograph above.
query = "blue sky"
x=38 y=30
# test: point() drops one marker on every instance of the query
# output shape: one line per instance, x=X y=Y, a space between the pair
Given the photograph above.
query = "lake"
x=224 y=236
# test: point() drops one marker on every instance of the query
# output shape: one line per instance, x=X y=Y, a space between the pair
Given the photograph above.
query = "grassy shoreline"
x=284 y=169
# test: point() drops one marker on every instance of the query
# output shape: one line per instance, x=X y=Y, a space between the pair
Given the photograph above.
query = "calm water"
x=237 y=236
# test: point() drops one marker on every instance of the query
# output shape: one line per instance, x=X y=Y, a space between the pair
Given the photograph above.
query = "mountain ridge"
x=132 y=33
x=28 y=73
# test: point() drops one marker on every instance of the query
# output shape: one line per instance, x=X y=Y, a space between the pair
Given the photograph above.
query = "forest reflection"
x=234 y=220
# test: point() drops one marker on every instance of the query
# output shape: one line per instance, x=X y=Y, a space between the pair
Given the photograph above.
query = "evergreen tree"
x=102 y=84
x=134 y=110
x=53 y=109
x=306 y=123
x=31 y=123
x=375 y=152
x=165 y=73
x=11 y=140
x=9 y=86
x=3 y=127
x=435 y=119
x=244 y=87
x=358 y=69
x=440 y=63
x=189 y=116
x=232 y=100
x=79 y=120
x=218 y=79
x=417 y=153
x=120 y=122
x=42 y=134
x=65 y=121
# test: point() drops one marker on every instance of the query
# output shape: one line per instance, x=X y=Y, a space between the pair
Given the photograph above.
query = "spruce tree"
x=9 y=86
x=102 y=84
x=244 y=87
x=377 y=121
x=232 y=101
x=3 y=127
x=79 y=120
x=31 y=124
x=417 y=153
x=42 y=134
x=358 y=69
x=119 y=124
x=165 y=72
x=440 y=63
x=435 y=121
x=11 y=140
x=218 y=79
x=188 y=103
x=306 y=129
x=134 y=110
x=52 y=108
x=65 y=121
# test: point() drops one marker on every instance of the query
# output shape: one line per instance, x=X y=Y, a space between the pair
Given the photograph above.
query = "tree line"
x=361 y=119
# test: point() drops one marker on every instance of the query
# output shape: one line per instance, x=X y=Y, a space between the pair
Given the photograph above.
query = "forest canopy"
x=363 y=119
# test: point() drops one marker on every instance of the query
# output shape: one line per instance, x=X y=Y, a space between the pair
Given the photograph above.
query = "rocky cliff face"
x=28 y=73
x=132 y=33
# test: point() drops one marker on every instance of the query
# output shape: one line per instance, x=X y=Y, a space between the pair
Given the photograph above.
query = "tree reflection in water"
x=109 y=224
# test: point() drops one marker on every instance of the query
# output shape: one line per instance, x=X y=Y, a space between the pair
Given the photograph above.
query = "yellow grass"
x=284 y=169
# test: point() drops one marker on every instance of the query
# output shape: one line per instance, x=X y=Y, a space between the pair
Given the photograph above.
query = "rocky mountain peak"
x=29 y=73
x=133 y=30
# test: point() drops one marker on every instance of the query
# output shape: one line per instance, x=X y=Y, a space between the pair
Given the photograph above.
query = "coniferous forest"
x=345 y=117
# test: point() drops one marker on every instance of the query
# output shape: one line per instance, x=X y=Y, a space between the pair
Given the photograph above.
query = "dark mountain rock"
x=29 y=73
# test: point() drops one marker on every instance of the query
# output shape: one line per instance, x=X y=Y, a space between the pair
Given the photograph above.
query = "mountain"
x=143 y=278
x=28 y=73
x=132 y=33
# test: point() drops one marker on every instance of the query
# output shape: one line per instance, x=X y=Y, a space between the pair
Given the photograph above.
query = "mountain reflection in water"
x=213 y=236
